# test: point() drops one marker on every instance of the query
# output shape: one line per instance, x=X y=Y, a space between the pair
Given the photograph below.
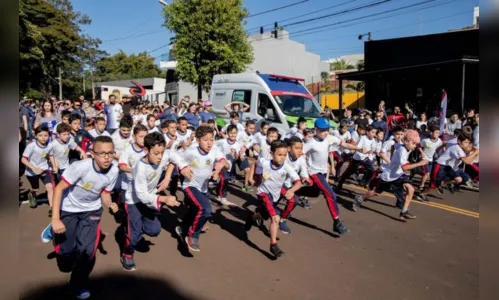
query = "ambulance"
x=276 y=99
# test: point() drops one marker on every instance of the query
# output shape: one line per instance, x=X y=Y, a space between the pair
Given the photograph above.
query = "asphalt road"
x=432 y=257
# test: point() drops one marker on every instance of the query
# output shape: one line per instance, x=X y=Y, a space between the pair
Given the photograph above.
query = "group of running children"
x=141 y=163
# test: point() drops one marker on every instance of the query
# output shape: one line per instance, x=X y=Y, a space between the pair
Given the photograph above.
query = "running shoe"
x=247 y=189
x=305 y=203
x=357 y=202
x=451 y=188
x=47 y=234
x=469 y=183
x=179 y=232
x=440 y=190
x=128 y=263
x=421 y=197
x=81 y=294
x=32 y=200
x=406 y=216
x=192 y=243
x=283 y=226
x=276 y=251
x=226 y=202
x=340 y=228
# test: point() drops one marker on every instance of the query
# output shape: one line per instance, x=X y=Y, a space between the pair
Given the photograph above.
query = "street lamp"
x=162 y=2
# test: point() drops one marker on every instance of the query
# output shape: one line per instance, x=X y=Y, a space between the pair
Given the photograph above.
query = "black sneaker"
x=249 y=222
x=283 y=226
x=340 y=228
x=357 y=202
x=276 y=251
x=50 y=212
x=421 y=197
x=406 y=216
x=305 y=203
x=192 y=243
x=440 y=190
x=32 y=200
x=451 y=188
x=178 y=231
x=128 y=263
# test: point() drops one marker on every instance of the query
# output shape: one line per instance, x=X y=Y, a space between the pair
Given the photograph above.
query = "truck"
x=276 y=99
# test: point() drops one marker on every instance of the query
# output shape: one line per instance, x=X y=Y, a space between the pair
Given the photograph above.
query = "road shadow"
x=169 y=221
x=113 y=286
x=236 y=228
x=308 y=225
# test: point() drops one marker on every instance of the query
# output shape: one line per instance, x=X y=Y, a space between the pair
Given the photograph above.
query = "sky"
x=136 y=25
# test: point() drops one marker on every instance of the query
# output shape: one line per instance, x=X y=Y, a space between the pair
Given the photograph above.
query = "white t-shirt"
x=175 y=144
x=365 y=143
x=386 y=149
x=264 y=153
x=60 y=151
x=86 y=185
x=245 y=139
x=430 y=147
x=317 y=152
x=184 y=136
x=113 y=113
x=274 y=178
x=355 y=137
x=129 y=158
x=37 y=156
x=476 y=137
x=229 y=149
x=201 y=165
x=258 y=138
x=345 y=138
x=452 y=157
x=120 y=142
x=154 y=129
x=377 y=151
x=291 y=132
x=394 y=170
x=144 y=186
x=95 y=134
x=300 y=167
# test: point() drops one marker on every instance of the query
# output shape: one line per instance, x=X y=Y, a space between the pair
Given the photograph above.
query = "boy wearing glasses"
x=77 y=212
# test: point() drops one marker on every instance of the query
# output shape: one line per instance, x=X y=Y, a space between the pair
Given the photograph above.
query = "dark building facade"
x=415 y=70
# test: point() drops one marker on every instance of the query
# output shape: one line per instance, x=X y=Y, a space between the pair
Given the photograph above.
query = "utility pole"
x=92 y=75
x=83 y=81
x=60 y=84
x=419 y=24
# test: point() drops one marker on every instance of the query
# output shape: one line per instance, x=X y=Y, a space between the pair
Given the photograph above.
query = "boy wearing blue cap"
x=317 y=152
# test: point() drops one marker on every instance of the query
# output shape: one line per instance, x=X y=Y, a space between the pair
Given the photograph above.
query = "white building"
x=476 y=16
x=351 y=59
x=154 y=87
x=280 y=56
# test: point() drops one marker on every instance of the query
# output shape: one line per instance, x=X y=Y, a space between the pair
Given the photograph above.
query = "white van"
x=279 y=100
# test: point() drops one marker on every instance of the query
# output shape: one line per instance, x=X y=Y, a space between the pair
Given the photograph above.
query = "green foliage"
x=357 y=86
x=341 y=64
x=50 y=38
x=209 y=39
x=121 y=66
x=360 y=65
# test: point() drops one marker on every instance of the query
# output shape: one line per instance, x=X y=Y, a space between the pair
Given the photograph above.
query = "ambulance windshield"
x=298 y=106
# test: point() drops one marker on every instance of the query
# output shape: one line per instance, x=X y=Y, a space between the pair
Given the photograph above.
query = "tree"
x=341 y=64
x=360 y=65
x=122 y=66
x=209 y=39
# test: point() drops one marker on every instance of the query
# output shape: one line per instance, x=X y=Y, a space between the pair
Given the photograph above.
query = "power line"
x=339 y=13
x=277 y=8
x=303 y=15
x=160 y=47
x=134 y=36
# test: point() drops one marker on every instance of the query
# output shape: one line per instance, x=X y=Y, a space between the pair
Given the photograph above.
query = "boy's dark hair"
x=167 y=123
x=411 y=124
x=231 y=127
x=190 y=127
x=272 y=129
x=293 y=140
x=211 y=121
x=370 y=127
x=154 y=139
x=434 y=128
x=203 y=130
x=471 y=122
x=463 y=137
x=396 y=129
x=98 y=119
x=150 y=116
x=343 y=124
x=89 y=122
x=301 y=120
x=103 y=139
x=307 y=131
x=126 y=121
x=263 y=124
x=74 y=117
x=182 y=119
x=65 y=113
x=467 y=130
x=361 y=127
x=234 y=115
x=250 y=122
x=277 y=144
x=423 y=127
x=138 y=128
x=41 y=128
x=63 y=127
x=457 y=131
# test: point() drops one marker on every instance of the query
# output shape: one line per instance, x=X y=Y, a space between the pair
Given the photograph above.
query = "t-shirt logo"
x=266 y=175
x=151 y=176
x=87 y=186
x=66 y=150
x=195 y=163
x=131 y=161
x=44 y=154
x=127 y=143
x=208 y=162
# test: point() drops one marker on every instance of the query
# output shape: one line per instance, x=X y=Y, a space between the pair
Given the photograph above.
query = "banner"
x=443 y=112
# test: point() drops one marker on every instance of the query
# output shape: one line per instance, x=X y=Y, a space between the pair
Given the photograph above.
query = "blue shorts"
x=244 y=164
x=268 y=208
